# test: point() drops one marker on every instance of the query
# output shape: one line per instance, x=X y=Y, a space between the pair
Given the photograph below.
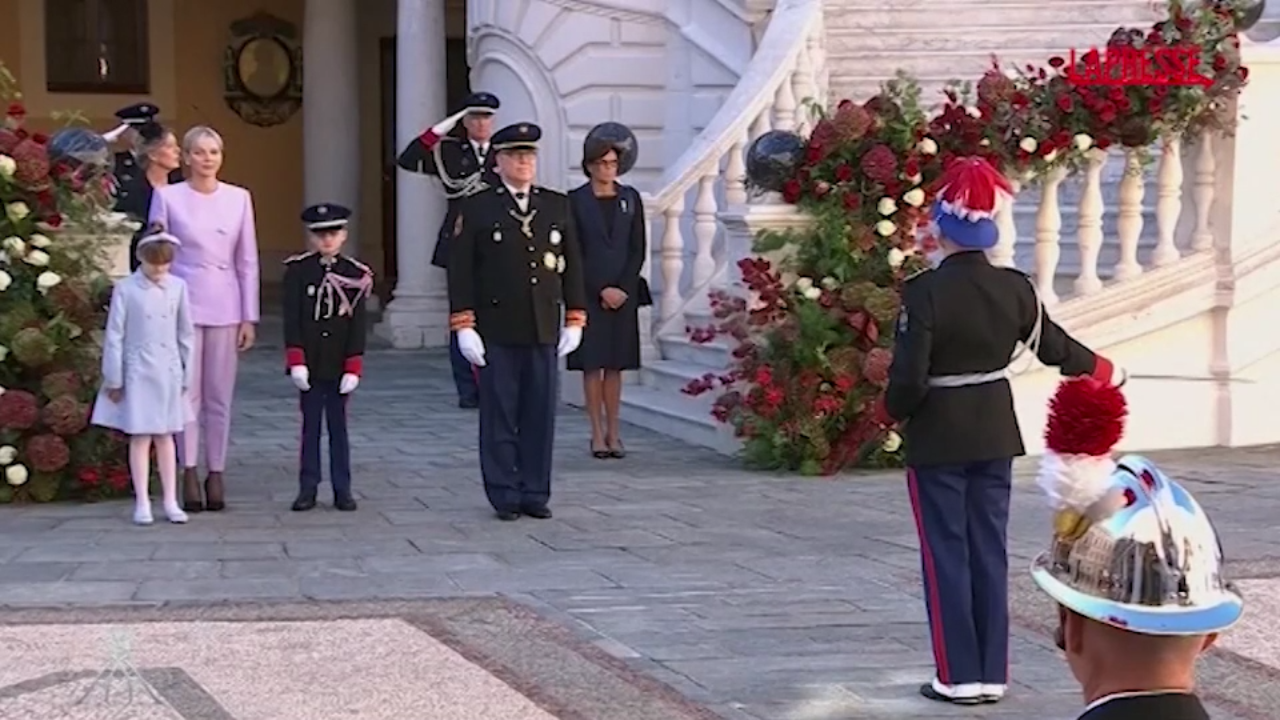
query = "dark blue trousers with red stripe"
x=962 y=514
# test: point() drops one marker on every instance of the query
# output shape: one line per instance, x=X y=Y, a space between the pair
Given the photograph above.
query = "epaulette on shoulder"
x=363 y=268
x=300 y=256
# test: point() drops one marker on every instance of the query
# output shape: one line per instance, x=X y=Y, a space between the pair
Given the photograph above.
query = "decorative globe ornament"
x=81 y=151
x=773 y=159
x=615 y=136
x=1252 y=12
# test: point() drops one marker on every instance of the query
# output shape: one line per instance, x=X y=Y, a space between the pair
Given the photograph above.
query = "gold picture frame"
x=262 y=68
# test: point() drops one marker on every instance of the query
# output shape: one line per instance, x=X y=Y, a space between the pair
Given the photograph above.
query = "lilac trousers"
x=216 y=359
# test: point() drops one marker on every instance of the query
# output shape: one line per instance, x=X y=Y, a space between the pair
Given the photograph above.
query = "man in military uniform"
x=948 y=384
x=514 y=269
x=464 y=167
x=324 y=338
x=133 y=190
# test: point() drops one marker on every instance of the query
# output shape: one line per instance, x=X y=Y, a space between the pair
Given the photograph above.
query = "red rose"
x=16 y=111
x=1243 y=73
x=880 y=164
x=844 y=173
x=851 y=201
x=89 y=477
x=1065 y=103
x=791 y=190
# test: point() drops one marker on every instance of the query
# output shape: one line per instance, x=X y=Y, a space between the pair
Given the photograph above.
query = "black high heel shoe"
x=598 y=453
x=617 y=450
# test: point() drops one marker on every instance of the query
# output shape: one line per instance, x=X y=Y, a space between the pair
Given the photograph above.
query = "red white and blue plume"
x=967 y=197
x=1086 y=421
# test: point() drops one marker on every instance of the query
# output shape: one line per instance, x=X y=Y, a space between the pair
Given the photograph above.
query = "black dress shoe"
x=468 y=404
x=304 y=503
x=345 y=504
x=541 y=513
x=929 y=692
x=508 y=515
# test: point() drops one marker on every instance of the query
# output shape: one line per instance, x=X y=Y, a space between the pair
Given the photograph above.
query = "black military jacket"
x=133 y=196
x=967 y=317
x=1164 y=706
x=461 y=168
x=514 y=285
x=330 y=341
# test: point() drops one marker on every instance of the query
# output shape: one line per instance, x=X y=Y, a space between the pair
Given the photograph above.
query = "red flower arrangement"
x=805 y=390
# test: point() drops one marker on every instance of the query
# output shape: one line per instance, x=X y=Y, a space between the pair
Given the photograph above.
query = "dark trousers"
x=962 y=514
x=464 y=375
x=322 y=406
x=518 y=385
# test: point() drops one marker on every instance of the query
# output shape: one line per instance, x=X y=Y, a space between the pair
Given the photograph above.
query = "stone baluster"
x=1002 y=253
x=735 y=174
x=704 y=229
x=1089 y=225
x=762 y=124
x=1049 y=235
x=1129 y=216
x=805 y=90
x=1202 y=192
x=672 y=259
x=818 y=59
x=1168 y=201
x=784 y=106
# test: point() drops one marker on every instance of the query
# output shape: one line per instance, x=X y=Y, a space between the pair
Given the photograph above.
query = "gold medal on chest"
x=525 y=220
x=555 y=237
x=549 y=260
x=560 y=264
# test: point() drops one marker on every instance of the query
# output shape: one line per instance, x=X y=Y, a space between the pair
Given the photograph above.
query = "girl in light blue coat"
x=147 y=367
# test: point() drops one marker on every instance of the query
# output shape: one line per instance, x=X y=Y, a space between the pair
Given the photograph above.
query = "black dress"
x=611 y=234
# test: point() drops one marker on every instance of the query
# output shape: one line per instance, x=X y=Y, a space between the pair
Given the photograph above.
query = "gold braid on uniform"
x=575 y=318
x=465 y=320
x=458 y=187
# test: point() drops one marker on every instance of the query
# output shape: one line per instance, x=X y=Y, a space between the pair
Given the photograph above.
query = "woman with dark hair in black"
x=611 y=233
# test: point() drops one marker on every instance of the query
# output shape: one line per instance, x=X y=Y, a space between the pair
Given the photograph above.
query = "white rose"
x=830 y=283
x=1053 y=154
x=39 y=258
x=8 y=454
x=14 y=245
x=1028 y=144
x=1083 y=142
x=5 y=280
x=984 y=142
x=892 y=442
x=887 y=206
x=17 y=211
x=896 y=258
x=4 y=353
x=39 y=241
x=973 y=112
x=916 y=179
x=928 y=147
x=914 y=198
x=15 y=475
x=813 y=293
x=46 y=280
x=886 y=228
x=804 y=284
x=8 y=166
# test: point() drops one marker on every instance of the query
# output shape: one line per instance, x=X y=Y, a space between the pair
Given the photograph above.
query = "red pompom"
x=972 y=185
x=1086 y=417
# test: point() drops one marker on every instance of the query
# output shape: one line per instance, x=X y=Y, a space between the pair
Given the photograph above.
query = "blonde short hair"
x=198 y=133
x=142 y=147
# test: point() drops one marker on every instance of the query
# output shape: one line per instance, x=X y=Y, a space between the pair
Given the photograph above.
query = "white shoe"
x=142 y=515
x=175 y=515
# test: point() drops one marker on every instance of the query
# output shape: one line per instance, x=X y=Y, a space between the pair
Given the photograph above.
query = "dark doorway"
x=458 y=77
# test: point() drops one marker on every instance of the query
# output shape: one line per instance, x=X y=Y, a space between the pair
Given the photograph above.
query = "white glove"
x=471 y=346
x=348 y=383
x=570 y=339
x=443 y=127
x=301 y=377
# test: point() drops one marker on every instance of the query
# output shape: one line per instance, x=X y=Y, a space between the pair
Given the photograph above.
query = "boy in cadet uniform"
x=324 y=337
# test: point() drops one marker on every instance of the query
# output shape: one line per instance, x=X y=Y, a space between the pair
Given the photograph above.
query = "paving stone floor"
x=763 y=597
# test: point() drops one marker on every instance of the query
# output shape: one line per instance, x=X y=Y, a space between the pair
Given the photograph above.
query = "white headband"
x=159 y=237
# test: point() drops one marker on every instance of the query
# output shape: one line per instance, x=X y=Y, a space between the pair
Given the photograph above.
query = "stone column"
x=331 y=108
x=418 y=313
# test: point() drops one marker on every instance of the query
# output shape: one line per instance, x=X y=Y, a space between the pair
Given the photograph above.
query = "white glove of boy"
x=471 y=346
x=348 y=383
x=443 y=127
x=570 y=339
x=301 y=377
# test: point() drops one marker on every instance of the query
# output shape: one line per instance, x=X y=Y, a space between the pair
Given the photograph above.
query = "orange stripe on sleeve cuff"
x=464 y=320
x=294 y=356
x=575 y=318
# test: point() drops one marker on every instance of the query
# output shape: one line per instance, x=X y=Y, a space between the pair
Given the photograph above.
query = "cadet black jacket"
x=317 y=333
x=1164 y=706
x=966 y=317
x=460 y=165
x=509 y=285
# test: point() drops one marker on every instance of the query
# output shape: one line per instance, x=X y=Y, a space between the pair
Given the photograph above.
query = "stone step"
x=714 y=355
x=954 y=16
x=673 y=376
x=675 y=415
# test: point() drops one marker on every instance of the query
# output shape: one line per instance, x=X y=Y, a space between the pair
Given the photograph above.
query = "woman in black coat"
x=153 y=163
x=610 y=222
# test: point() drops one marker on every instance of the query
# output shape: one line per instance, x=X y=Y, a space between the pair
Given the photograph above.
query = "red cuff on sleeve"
x=1103 y=369
x=294 y=357
x=354 y=365
x=429 y=139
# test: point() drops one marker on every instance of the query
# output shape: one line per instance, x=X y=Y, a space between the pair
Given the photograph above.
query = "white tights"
x=140 y=469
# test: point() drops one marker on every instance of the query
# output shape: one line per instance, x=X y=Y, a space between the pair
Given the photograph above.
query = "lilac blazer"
x=219 y=254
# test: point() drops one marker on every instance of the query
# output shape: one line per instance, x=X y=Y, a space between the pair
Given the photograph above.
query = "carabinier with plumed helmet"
x=325 y=328
x=464 y=167
x=1135 y=566
x=949 y=386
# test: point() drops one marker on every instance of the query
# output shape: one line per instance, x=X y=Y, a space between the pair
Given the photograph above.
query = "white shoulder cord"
x=462 y=187
x=1032 y=342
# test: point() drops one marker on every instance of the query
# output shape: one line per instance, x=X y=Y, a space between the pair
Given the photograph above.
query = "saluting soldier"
x=514 y=270
x=136 y=176
x=464 y=167
x=958 y=328
x=324 y=335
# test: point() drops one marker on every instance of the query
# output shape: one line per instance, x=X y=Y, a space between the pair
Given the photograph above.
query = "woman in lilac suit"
x=219 y=262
